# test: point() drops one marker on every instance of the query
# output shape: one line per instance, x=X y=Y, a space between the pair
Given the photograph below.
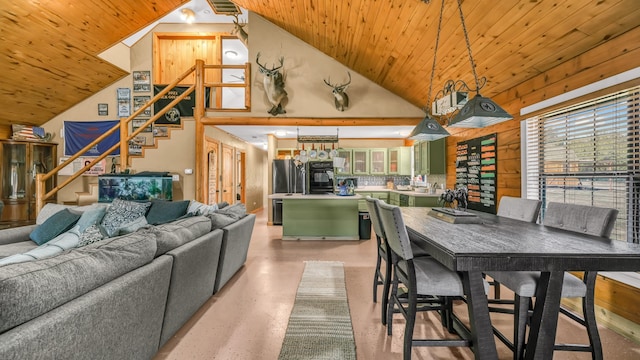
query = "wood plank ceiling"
x=49 y=48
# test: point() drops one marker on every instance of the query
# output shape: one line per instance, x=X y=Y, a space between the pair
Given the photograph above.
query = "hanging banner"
x=183 y=108
x=78 y=134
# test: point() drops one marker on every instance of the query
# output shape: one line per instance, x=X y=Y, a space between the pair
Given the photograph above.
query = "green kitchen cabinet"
x=381 y=195
x=378 y=161
x=423 y=201
x=430 y=157
x=394 y=198
x=399 y=161
x=360 y=163
x=347 y=154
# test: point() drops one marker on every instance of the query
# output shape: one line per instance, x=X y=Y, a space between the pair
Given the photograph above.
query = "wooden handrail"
x=123 y=127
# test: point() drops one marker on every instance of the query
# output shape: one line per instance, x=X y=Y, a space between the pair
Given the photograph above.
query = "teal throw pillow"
x=163 y=211
x=91 y=217
x=55 y=225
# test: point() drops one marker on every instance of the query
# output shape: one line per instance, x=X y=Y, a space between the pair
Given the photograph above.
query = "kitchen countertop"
x=406 y=192
x=315 y=197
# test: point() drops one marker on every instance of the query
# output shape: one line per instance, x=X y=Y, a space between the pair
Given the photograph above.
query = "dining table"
x=494 y=243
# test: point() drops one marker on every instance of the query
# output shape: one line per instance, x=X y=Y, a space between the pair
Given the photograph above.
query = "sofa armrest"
x=16 y=234
x=235 y=245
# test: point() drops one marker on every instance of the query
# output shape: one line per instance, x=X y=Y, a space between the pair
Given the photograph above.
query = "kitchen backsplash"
x=381 y=180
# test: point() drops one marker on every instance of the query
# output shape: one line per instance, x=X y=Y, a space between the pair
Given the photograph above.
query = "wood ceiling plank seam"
x=357 y=44
x=369 y=40
x=323 y=25
x=353 y=26
x=338 y=9
x=295 y=19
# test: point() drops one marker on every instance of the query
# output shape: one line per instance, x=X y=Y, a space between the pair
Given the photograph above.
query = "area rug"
x=320 y=324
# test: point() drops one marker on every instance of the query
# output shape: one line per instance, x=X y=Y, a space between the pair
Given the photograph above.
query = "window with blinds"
x=588 y=154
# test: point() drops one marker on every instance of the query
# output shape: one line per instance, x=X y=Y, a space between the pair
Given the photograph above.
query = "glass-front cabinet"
x=21 y=161
x=378 y=161
x=399 y=161
x=346 y=166
x=360 y=162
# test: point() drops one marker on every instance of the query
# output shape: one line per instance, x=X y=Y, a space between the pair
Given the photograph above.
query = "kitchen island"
x=319 y=217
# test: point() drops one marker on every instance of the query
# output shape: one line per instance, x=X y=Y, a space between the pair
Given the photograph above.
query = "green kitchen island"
x=319 y=217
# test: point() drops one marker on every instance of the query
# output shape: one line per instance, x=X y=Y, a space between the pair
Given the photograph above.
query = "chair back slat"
x=519 y=208
x=395 y=230
x=585 y=219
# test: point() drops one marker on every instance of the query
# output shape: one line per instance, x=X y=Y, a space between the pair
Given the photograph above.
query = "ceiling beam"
x=271 y=121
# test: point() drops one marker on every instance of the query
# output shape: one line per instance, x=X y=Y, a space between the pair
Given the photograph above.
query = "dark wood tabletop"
x=503 y=244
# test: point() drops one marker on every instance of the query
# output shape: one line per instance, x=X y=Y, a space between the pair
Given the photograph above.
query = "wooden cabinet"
x=282 y=154
x=399 y=161
x=377 y=161
x=21 y=161
x=430 y=157
x=360 y=163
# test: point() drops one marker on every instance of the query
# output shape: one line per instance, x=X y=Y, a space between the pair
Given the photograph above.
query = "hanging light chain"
x=466 y=38
x=435 y=52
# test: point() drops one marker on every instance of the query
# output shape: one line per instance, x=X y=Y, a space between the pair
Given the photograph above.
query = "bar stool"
x=570 y=217
x=423 y=277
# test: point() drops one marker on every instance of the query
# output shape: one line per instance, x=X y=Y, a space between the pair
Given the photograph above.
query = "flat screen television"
x=138 y=187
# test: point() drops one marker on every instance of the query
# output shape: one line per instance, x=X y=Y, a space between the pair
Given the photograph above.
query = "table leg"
x=483 y=343
x=542 y=333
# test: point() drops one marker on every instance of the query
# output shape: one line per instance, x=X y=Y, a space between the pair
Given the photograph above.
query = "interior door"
x=212 y=192
x=227 y=169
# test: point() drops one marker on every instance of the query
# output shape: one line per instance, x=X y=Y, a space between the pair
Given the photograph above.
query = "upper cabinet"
x=399 y=161
x=430 y=157
x=378 y=161
x=346 y=154
x=360 y=164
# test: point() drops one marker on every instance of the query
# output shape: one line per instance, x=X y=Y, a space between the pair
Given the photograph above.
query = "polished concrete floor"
x=248 y=318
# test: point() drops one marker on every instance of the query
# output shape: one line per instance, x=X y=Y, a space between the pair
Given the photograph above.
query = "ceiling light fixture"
x=231 y=54
x=429 y=128
x=187 y=15
x=479 y=111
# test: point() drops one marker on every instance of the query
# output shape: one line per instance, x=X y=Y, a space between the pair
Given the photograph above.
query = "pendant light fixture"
x=429 y=128
x=479 y=111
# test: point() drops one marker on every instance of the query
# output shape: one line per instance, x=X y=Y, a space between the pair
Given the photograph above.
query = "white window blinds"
x=589 y=154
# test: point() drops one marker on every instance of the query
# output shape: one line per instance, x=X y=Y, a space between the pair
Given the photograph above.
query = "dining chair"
x=589 y=220
x=520 y=209
x=423 y=277
x=383 y=254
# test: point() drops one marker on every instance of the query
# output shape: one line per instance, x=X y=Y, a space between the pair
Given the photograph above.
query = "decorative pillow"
x=48 y=210
x=198 y=208
x=222 y=204
x=218 y=221
x=55 y=225
x=163 y=211
x=121 y=212
x=238 y=210
x=132 y=226
x=91 y=217
x=91 y=234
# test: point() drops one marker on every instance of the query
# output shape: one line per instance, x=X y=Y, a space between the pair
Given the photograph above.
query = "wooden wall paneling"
x=174 y=53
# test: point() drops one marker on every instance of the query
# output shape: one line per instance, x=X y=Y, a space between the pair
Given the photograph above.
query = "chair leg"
x=385 y=292
x=496 y=290
x=392 y=303
x=410 y=323
x=588 y=309
x=520 y=317
x=376 y=278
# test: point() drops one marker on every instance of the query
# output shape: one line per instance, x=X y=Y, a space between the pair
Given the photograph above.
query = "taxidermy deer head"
x=341 y=98
x=273 y=83
x=238 y=30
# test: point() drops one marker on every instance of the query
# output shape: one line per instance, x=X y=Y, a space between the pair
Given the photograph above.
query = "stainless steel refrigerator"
x=287 y=179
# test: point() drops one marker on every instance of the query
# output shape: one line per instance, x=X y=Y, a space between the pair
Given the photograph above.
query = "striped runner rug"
x=320 y=324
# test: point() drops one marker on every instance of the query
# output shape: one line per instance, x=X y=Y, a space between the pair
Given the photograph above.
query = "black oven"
x=320 y=177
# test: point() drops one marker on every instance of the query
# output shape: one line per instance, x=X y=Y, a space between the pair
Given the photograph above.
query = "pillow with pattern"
x=91 y=234
x=121 y=212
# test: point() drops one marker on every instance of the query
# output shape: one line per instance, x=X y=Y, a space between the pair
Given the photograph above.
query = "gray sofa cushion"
x=171 y=235
x=16 y=248
x=16 y=234
x=30 y=289
x=227 y=216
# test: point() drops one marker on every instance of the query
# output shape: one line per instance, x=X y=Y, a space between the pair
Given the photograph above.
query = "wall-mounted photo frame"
x=142 y=81
x=103 y=109
x=124 y=102
x=160 y=131
x=137 y=123
x=140 y=101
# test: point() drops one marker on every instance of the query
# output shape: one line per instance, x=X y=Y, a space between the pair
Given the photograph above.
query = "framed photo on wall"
x=137 y=123
x=142 y=81
x=140 y=101
x=103 y=109
x=124 y=102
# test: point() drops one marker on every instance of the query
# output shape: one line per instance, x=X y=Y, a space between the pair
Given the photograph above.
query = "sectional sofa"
x=122 y=297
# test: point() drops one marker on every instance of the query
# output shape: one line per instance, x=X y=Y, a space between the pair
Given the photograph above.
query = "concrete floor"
x=248 y=318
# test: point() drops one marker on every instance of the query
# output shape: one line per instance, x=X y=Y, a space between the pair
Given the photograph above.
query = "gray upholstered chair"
x=520 y=209
x=583 y=219
x=423 y=277
x=383 y=254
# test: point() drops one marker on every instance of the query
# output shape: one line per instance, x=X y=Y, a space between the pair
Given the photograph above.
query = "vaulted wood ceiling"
x=50 y=63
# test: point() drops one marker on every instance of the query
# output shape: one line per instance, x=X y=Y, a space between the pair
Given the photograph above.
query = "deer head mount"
x=238 y=30
x=341 y=98
x=273 y=83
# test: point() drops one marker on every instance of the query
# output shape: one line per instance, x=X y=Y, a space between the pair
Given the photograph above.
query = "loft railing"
x=123 y=126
